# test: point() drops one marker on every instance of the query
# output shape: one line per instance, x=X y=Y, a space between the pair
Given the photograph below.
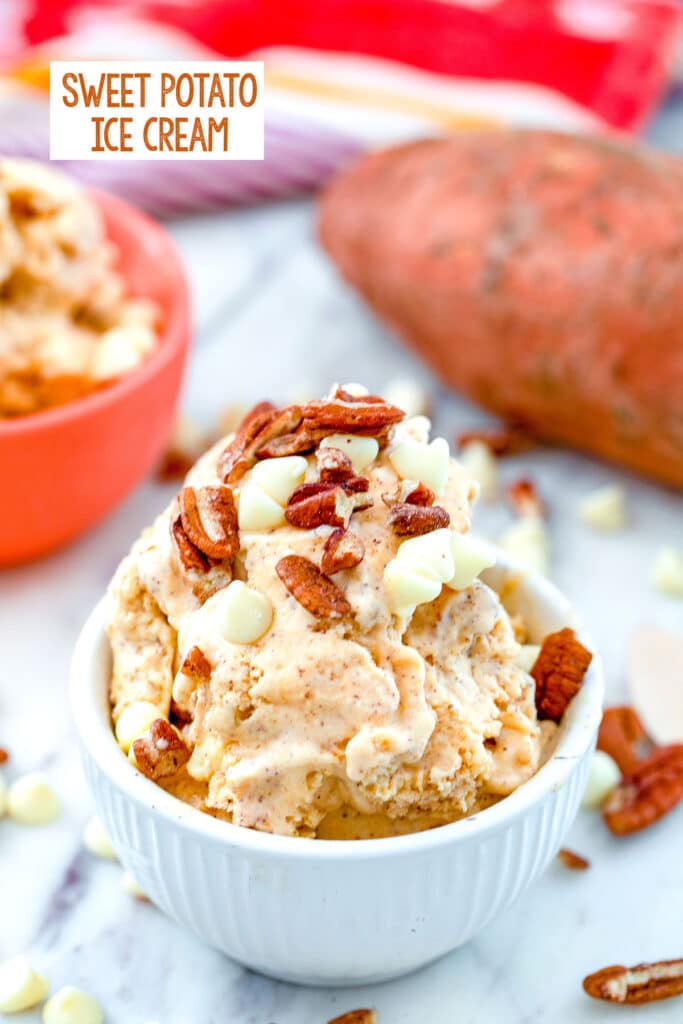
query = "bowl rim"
x=173 y=338
x=90 y=710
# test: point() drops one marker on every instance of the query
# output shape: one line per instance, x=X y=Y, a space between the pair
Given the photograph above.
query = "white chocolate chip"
x=355 y=389
x=31 y=800
x=20 y=986
x=3 y=795
x=407 y=394
x=72 y=1006
x=279 y=477
x=667 y=572
x=528 y=653
x=120 y=350
x=246 y=613
x=471 y=555
x=131 y=886
x=257 y=510
x=425 y=462
x=527 y=542
x=480 y=463
x=134 y=721
x=604 y=509
x=416 y=574
x=603 y=776
x=406 y=589
x=96 y=840
x=361 y=450
x=206 y=758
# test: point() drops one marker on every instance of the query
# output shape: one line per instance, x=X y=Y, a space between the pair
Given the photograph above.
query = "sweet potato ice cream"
x=301 y=643
x=66 y=324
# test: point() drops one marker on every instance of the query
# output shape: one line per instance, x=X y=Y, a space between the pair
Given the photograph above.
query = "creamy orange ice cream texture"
x=391 y=715
x=66 y=324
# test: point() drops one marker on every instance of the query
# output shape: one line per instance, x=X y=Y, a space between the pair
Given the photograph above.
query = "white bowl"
x=323 y=912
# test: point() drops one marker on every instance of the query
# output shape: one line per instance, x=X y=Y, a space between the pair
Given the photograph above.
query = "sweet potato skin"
x=541 y=274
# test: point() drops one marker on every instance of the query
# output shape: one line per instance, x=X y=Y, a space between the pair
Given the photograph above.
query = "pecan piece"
x=342 y=550
x=356 y=1017
x=209 y=519
x=340 y=394
x=161 y=752
x=622 y=735
x=649 y=792
x=204 y=575
x=357 y=417
x=506 y=441
x=558 y=672
x=196 y=665
x=408 y=520
x=314 y=591
x=524 y=498
x=4 y=756
x=571 y=860
x=334 y=465
x=296 y=443
x=259 y=428
x=414 y=492
x=643 y=983
x=317 y=504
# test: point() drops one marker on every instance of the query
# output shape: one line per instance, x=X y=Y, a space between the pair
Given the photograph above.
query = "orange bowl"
x=64 y=469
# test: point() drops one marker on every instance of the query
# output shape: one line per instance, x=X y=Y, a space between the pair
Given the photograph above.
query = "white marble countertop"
x=271 y=311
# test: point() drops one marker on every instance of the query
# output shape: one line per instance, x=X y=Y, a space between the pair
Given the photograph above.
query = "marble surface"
x=273 y=319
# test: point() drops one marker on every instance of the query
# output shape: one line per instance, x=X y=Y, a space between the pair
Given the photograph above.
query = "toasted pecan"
x=161 y=752
x=204 y=575
x=191 y=558
x=414 y=492
x=209 y=519
x=314 y=591
x=559 y=672
x=259 y=428
x=644 y=983
x=316 y=504
x=356 y=1017
x=571 y=860
x=622 y=735
x=524 y=498
x=647 y=793
x=196 y=665
x=334 y=465
x=342 y=550
x=408 y=520
x=357 y=417
x=505 y=441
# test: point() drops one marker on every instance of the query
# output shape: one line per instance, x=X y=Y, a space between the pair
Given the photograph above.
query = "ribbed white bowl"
x=327 y=912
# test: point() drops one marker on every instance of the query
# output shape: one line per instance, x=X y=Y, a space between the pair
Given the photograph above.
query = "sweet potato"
x=540 y=273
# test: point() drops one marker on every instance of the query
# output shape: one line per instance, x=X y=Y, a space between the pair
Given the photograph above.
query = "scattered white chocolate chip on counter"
x=603 y=776
x=425 y=462
x=134 y=721
x=471 y=555
x=279 y=477
x=31 y=800
x=405 y=393
x=361 y=450
x=604 y=509
x=71 y=1005
x=131 y=886
x=478 y=460
x=655 y=681
x=21 y=987
x=667 y=572
x=96 y=840
x=528 y=653
x=246 y=613
x=527 y=542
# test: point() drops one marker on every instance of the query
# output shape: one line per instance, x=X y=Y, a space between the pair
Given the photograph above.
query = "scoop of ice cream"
x=385 y=683
x=65 y=322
